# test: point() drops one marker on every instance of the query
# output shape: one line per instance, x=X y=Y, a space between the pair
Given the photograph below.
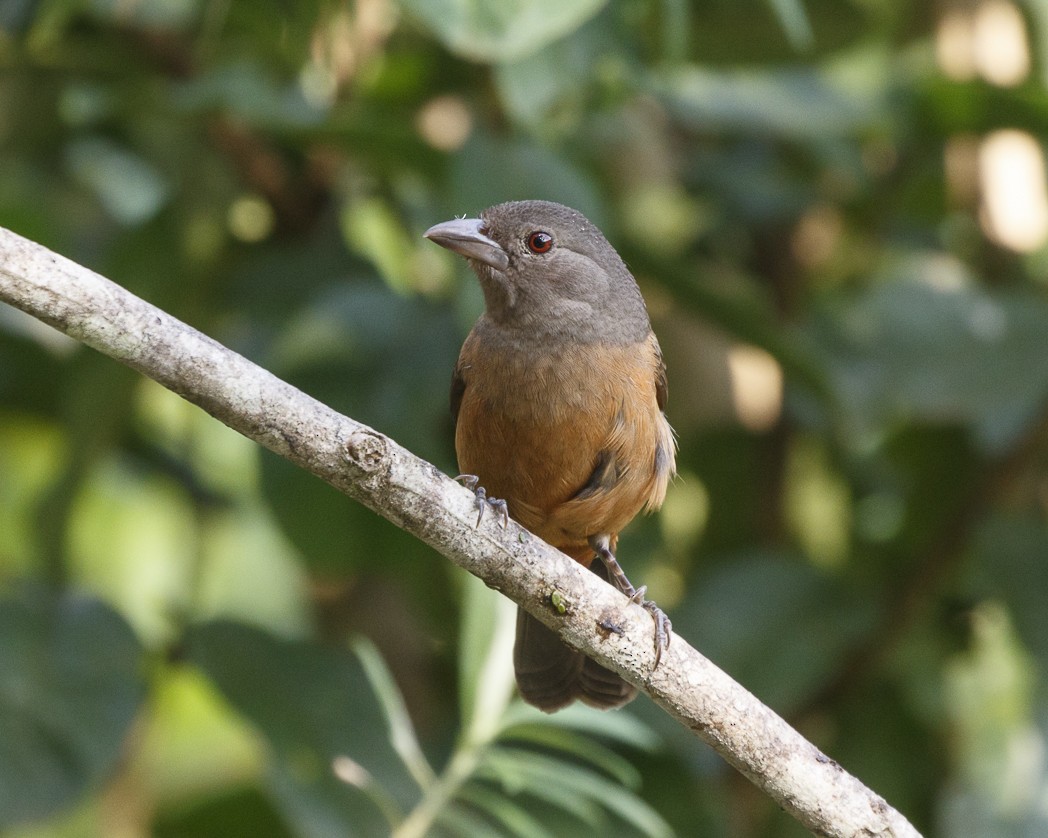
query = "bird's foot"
x=663 y=626
x=472 y=482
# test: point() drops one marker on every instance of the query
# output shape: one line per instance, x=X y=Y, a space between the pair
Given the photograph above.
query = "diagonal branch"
x=371 y=468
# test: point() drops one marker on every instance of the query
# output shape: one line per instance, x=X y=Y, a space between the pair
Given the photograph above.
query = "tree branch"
x=415 y=495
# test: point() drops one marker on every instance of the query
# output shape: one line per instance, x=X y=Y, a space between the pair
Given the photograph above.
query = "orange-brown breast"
x=534 y=427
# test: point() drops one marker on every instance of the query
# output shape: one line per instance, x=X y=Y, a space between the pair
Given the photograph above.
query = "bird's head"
x=547 y=269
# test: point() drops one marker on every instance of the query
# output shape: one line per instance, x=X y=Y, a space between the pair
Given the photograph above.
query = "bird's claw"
x=663 y=629
x=663 y=626
x=471 y=482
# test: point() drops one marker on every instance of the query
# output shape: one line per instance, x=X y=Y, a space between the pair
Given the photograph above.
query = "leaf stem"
x=461 y=767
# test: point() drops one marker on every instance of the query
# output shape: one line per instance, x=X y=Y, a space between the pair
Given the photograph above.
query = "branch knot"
x=367 y=451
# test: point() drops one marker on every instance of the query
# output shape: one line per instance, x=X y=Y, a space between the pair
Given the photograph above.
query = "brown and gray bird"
x=558 y=399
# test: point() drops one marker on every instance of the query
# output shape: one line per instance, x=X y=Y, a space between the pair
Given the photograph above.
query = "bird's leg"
x=472 y=482
x=663 y=627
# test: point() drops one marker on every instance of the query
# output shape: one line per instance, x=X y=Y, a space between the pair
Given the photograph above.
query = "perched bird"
x=558 y=399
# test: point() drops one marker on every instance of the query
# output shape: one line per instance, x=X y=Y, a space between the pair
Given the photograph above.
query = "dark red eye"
x=539 y=242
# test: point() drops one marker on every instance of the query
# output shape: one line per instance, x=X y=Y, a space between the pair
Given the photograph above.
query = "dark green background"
x=192 y=632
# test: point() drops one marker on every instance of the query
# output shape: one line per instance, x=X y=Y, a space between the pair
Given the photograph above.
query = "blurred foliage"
x=196 y=639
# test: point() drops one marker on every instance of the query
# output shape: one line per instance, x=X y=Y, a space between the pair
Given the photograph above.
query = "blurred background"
x=838 y=214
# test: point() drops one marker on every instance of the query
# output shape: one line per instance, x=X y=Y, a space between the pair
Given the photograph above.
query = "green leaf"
x=486 y=658
x=401 y=730
x=509 y=29
x=130 y=188
x=745 y=33
x=525 y=772
x=533 y=86
x=32 y=353
x=926 y=343
x=70 y=687
x=31 y=457
x=768 y=103
x=462 y=822
x=776 y=625
x=623 y=728
x=252 y=94
x=563 y=800
x=332 y=349
x=583 y=748
x=1010 y=552
x=489 y=170
x=334 y=345
x=16 y=15
x=500 y=808
x=239 y=812
x=794 y=22
x=335 y=770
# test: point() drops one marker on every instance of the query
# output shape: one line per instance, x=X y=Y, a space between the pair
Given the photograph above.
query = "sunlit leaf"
x=501 y=31
x=485 y=662
x=131 y=541
x=31 y=454
x=1011 y=552
x=374 y=231
x=988 y=690
x=194 y=743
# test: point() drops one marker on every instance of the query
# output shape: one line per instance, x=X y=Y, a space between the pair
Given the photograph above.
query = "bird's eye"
x=540 y=242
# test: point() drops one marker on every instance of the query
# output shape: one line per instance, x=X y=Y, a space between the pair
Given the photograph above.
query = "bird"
x=558 y=398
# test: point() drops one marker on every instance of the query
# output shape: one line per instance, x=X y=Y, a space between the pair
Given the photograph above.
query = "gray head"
x=547 y=270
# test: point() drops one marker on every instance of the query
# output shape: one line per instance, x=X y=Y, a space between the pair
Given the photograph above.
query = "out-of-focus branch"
x=413 y=494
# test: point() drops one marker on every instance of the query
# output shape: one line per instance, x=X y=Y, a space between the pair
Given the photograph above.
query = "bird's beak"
x=464 y=237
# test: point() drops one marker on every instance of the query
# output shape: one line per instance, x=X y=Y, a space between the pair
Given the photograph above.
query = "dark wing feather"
x=662 y=387
x=458 y=388
x=603 y=479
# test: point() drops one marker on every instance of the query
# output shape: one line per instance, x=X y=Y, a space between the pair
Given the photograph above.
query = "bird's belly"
x=536 y=437
x=534 y=465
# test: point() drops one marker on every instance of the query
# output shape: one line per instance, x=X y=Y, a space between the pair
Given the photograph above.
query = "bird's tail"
x=551 y=675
